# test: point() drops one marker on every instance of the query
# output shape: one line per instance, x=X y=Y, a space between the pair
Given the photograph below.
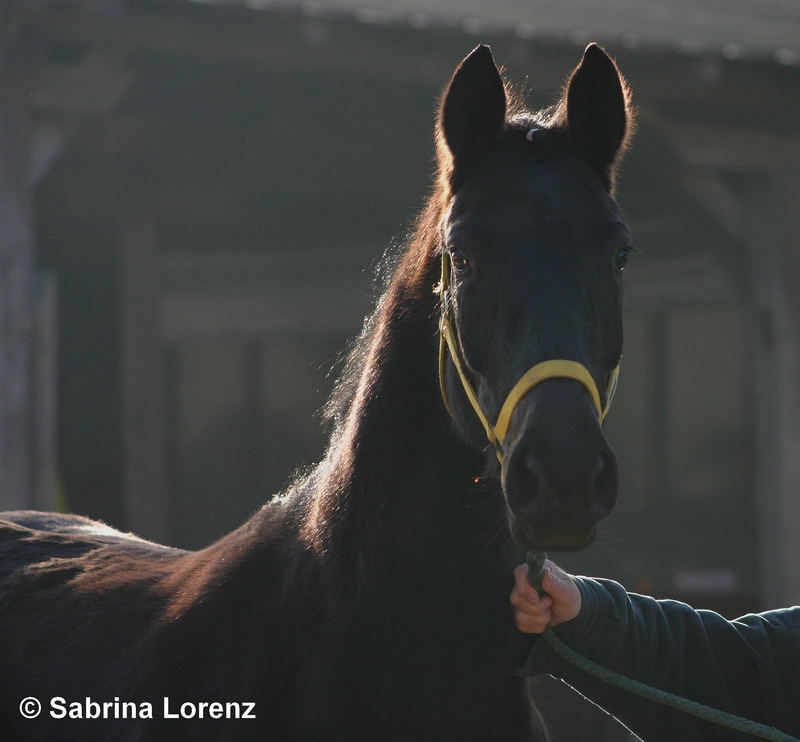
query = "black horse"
x=370 y=600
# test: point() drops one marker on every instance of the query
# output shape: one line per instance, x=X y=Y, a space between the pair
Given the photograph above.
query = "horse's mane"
x=398 y=262
x=399 y=265
x=350 y=360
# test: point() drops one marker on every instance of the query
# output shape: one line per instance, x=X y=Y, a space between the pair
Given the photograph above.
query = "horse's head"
x=533 y=247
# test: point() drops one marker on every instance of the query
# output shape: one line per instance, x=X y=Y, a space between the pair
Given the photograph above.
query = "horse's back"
x=88 y=612
x=79 y=602
x=66 y=524
x=30 y=539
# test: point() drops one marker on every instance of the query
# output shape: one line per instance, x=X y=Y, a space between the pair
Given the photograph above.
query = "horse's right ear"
x=473 y=110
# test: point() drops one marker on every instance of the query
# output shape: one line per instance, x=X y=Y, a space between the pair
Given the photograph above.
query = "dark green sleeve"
x=749 y=667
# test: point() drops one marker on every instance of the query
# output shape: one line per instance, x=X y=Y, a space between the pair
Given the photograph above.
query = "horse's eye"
x=459 y=260
x=621 y=259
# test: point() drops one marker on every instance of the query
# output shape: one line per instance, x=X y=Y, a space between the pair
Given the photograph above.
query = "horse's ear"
x=473 y=110
x=598 y=112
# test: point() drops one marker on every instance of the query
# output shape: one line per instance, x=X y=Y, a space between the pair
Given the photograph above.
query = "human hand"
x=560 y=603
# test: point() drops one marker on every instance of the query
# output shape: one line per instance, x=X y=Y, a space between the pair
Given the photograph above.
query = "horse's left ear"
x=473 y=111
x=598 y=112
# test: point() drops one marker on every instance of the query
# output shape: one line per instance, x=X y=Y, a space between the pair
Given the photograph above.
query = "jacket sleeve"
x=749 y=667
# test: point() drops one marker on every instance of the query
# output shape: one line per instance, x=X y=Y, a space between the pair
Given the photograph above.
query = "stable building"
x=195 y=198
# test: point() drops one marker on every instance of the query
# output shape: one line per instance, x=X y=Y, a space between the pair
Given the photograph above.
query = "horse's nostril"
x=527 y=482
x=604 y=491
x=599 y=467
x=534 y=473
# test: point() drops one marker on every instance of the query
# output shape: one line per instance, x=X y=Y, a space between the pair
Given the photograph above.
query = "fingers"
x=530 y=622
x=521 y=582
x=532 y=612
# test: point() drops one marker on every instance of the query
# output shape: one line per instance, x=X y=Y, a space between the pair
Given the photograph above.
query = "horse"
x=369 y=600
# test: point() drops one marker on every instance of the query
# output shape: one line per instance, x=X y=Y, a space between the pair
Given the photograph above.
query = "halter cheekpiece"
x=551 y=369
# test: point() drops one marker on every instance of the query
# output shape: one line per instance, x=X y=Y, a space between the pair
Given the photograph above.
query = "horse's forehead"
x=556 y=193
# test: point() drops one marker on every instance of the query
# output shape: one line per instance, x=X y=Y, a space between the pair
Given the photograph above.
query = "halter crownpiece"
x=552 y=369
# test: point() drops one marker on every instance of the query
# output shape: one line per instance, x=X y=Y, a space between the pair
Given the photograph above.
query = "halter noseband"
x=552 y=369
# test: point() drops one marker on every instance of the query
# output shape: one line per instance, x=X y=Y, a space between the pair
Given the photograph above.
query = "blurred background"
x=194 y=197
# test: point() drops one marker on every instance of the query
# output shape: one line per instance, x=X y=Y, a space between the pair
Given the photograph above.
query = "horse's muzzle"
x=560 y=476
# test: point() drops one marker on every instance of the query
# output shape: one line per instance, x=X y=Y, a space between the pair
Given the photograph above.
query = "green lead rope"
x=715 y=716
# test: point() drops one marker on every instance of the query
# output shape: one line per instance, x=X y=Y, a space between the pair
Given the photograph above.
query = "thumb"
x=564 y=591
x=556 y=581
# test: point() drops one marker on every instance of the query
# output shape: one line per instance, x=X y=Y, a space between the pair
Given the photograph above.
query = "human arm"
x=750 y=667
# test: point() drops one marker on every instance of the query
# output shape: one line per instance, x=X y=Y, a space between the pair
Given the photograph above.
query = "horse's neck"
x=395 y=489
x=393 y=532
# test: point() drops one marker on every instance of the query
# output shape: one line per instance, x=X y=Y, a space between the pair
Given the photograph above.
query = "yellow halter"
x=536 y=375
